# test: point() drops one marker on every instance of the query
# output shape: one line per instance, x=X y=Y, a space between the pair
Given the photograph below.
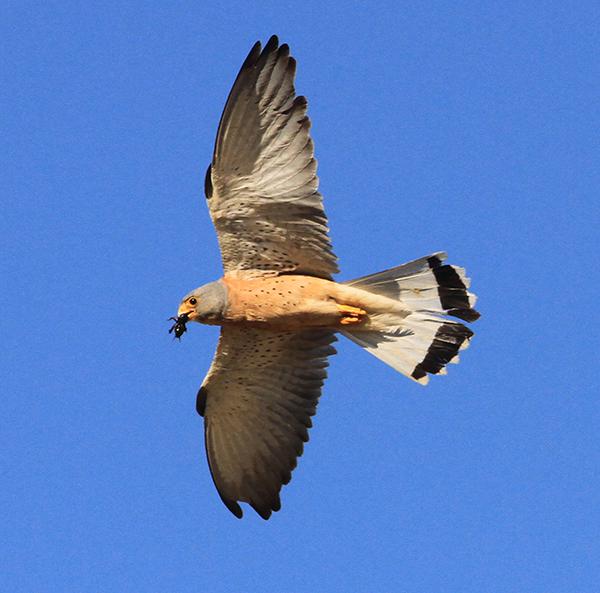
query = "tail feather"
x=424 y=341
x=425 y=284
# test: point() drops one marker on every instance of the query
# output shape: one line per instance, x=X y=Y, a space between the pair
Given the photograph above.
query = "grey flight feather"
x=262 y=185
x=257 y=401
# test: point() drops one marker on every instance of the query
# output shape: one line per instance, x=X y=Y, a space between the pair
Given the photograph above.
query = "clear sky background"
x=471 y=127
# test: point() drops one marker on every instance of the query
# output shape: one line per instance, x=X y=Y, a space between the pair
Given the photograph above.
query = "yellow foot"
x=350 y=314
x=350 y=320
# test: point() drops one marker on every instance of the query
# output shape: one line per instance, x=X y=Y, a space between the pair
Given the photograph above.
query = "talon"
x=351 y=314
x=348 y=310
x=350 y=320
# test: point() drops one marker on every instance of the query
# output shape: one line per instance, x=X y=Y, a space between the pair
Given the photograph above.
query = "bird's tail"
x=426 y=340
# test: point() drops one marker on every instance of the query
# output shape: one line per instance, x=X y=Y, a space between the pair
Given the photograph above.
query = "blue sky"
x=470 y=127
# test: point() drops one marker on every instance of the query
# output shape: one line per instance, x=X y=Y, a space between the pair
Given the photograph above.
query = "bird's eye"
x=193 y=301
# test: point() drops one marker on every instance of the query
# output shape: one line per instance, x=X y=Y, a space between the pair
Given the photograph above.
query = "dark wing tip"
x=201 y=401
x=263 y=512
x=271 y=47
x=253 y=55
x=283 y=51
x=233 y=506
x=271 y=44
x=291 y=67
x=300 y=102
x=258 y=51
x=266 y=508
x=208 y=186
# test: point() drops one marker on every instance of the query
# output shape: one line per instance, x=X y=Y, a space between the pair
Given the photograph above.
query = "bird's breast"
x=281 y=302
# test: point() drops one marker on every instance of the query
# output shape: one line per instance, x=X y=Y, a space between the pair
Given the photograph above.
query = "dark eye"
x=193 y=301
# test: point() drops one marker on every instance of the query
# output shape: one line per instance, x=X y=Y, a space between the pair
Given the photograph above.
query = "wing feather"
x=258 y=399
x=262 y=185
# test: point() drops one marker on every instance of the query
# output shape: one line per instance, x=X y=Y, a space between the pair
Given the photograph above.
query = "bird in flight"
x=278 y=307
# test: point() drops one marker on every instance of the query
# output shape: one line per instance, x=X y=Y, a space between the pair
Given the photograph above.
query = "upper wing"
x=262 y=185
x=257 y=400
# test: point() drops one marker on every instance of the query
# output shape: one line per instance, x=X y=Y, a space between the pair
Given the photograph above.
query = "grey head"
x=205 y=304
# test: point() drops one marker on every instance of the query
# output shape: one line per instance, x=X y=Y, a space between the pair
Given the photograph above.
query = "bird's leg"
x=350 y=314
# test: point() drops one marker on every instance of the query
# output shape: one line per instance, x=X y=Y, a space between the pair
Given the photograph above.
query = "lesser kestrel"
x=277 y=305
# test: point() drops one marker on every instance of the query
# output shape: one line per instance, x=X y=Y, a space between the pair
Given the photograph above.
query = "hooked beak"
x=187 y=310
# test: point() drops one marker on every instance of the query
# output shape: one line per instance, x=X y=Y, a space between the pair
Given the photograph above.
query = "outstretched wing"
x=262 y=185
x=257 y=401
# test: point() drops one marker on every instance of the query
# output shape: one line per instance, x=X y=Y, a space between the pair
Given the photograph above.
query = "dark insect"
x=179 y=327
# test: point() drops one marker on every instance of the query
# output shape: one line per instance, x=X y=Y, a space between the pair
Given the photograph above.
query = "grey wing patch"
x=262 y=186
x=257 y=401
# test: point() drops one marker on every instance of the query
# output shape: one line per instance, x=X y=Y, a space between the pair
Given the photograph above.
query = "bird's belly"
x=282 y=302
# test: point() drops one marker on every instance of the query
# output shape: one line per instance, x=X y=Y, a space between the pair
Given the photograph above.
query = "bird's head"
x=206 y=304
x=190 y=306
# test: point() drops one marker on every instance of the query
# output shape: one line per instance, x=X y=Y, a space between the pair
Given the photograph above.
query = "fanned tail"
x=426 y=340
